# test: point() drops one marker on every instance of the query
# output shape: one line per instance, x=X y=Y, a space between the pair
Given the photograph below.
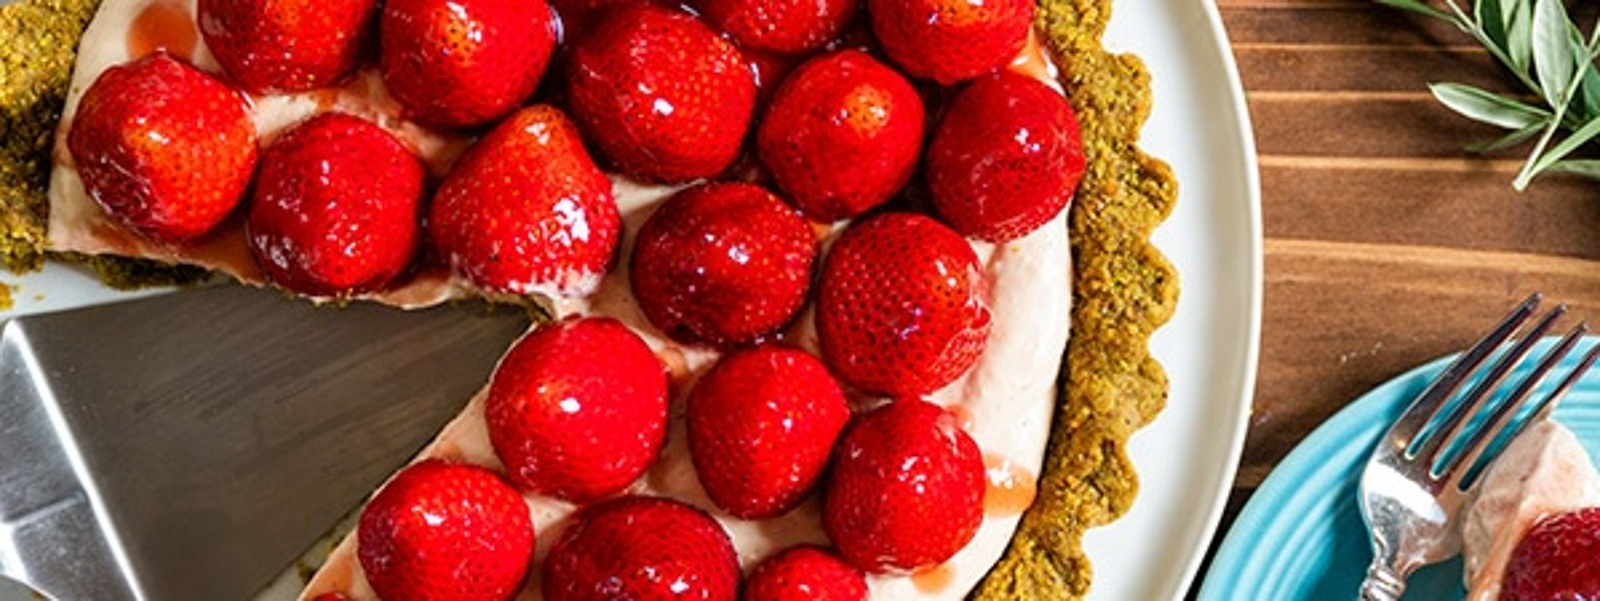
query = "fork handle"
x=1382 y=583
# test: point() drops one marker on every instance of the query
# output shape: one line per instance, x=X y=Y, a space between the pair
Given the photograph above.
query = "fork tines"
x=1437 y=441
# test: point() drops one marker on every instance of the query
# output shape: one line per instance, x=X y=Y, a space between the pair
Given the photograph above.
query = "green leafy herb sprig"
x=1537 y=41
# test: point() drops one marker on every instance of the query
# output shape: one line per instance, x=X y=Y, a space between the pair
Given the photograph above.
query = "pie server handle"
x=192 y=445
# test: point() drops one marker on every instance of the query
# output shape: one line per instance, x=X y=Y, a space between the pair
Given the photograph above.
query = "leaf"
x=1483 y=106
x=1571 y=143
x=1589 y=94
x=1417 y=6
x=1492 y=19
x=1508 y=140
x=1519 y=35
x=1585 y=167
x=1553 y=59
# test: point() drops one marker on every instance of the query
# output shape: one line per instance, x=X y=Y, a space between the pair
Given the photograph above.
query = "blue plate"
x=1301 y=535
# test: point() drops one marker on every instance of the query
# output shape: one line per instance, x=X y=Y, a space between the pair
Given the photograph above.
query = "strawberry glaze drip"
x=163 y=26
x=935 y=579
x=1009 y=488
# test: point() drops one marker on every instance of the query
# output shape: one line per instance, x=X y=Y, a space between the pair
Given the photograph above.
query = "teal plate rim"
x=1300 y=536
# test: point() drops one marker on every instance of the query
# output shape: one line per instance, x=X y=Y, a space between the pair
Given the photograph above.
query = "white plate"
x=1187 y=457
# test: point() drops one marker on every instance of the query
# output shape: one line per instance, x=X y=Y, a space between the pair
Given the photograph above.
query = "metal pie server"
x=192 y=445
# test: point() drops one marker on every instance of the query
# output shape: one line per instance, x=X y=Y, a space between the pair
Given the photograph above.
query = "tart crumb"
x=38 y=43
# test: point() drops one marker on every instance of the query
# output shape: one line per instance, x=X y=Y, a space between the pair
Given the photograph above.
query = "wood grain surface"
x=1387 y=245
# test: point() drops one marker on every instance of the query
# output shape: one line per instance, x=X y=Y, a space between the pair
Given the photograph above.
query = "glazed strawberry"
x=641 y=548
x=272 y=46
x=331 y=597
x=1558 y=558
x=445 y=532
x=902 y=308
x=461 y=63
x=842 y=135
x=907 y=490
x=526 y=210
x=663 y=97
x=1006 y=159
x=951 y=40
x=724 y=264
x=762 y=424
x=337 y=207
x=785 y=26
x=164 y=148
x=805 y=573
x=577 y=409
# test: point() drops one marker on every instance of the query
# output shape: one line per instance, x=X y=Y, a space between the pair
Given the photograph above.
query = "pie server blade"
x=192 y=445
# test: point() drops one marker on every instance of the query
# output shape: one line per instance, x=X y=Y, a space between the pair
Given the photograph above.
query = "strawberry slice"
x=783 y=26
x=275 y=46
x=724 y=264
x=337 y=207
x=949 y=41
x=661 y=94
x=740 y=411
x=1006 y=159
x=642 y=548
x=463 y=63
x=526 y=210
x=164 y=148
x=805 y=573
x=907 y=491
x=446 y=532
x=1559 y=558
x=577 y=409
x=902 y=309
x=842 y=135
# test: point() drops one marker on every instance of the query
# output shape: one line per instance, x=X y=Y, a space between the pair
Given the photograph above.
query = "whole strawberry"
x=907 y=490
x=273 y=46
x=805 y=573
x=662 y=95
x=1558 y=558
x=842 y=135
x=463 y=63
x=784 y=26
x=164 y=148
x=1006 y=159
x=902 y=309
x=337 y=207
x=641 y=548
x=577 y=409
x=724 y=264
x=762 y=424
x=445 y=532
x=951 y=40
x=526 y=210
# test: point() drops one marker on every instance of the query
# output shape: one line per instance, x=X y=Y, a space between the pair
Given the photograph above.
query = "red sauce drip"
x=1009 y=488
x=163 y=26
x=963 y=416
x=934 y=579
x=1032 y=61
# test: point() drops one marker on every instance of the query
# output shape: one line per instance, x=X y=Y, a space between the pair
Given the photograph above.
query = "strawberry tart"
x=809 y=270
x=1532 y=530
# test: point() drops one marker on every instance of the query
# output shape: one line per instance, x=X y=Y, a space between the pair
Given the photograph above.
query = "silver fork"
x=1411 y=492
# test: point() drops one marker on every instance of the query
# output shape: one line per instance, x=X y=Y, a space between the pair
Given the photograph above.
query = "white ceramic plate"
x=1187 y=457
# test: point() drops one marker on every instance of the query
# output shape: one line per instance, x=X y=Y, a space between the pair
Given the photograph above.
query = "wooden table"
x=1386 y=244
